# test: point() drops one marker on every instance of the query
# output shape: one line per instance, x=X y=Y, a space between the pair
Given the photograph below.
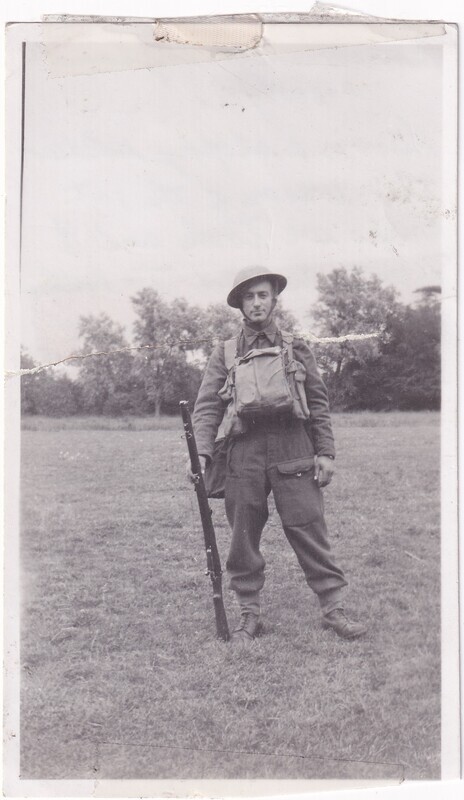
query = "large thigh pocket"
x=296 y=494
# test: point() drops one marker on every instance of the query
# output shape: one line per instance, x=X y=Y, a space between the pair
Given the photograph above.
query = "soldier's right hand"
x=188 y=468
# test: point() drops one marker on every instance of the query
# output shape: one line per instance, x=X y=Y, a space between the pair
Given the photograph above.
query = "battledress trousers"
x=276 y=454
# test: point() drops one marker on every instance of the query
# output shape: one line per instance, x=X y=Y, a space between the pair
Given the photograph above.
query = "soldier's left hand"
x=325 y=470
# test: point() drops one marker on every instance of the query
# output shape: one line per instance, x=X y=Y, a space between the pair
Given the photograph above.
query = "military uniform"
x=274 y=454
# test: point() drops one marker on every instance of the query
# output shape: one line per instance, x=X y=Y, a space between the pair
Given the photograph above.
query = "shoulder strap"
x=230 y=351
x=287 y=338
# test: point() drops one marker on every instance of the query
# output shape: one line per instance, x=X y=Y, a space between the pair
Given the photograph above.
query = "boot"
x=247 y=629
x=249 y=624
x=344 y=627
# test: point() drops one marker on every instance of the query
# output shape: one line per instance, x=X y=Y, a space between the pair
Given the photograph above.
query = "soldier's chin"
x=257 y=316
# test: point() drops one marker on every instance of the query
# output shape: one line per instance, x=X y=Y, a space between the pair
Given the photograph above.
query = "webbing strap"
x=230 y=351
x=287 y=338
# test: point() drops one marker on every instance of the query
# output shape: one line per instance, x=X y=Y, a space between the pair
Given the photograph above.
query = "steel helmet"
x=253 y=274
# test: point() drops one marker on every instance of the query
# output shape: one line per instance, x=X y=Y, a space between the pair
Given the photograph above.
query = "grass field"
x=121 y=674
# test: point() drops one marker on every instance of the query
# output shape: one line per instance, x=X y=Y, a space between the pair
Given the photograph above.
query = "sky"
x=178 y=176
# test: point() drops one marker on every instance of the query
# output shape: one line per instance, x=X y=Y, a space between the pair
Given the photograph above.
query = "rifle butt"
x=222 y=628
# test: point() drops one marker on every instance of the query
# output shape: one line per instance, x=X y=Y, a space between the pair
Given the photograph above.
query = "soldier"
x=290 y=453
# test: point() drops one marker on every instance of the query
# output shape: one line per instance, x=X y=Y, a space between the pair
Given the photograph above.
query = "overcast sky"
x=178 y=176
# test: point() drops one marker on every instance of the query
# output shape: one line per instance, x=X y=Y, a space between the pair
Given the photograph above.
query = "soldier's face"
x=258 y=301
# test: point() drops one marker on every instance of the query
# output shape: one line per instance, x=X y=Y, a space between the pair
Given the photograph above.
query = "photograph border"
x=451 y=723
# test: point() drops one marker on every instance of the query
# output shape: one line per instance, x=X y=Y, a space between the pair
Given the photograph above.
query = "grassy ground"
x=121 y=674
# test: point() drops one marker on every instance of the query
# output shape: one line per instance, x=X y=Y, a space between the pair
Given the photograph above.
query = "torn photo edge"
x=450 y=559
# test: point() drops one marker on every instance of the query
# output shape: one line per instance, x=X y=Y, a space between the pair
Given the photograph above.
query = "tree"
x=285 y=319
x=184 y=383
x=60 y=396
x=107 y=381
x=350 y=303
x=405 y=374
x=167 y=332
x=47 y=393
x=428 y=295
x=31 y=386
x=220 y=322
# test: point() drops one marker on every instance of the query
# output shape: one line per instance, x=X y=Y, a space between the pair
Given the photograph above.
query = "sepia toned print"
x=202 y=204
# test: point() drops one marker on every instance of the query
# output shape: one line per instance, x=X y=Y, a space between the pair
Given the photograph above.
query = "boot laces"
x=246 y=621
x=245 y=618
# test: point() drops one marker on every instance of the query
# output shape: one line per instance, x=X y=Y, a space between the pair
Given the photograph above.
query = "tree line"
x=164 y=362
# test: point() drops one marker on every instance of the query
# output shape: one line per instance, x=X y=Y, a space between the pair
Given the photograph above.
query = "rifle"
x=213 y=563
